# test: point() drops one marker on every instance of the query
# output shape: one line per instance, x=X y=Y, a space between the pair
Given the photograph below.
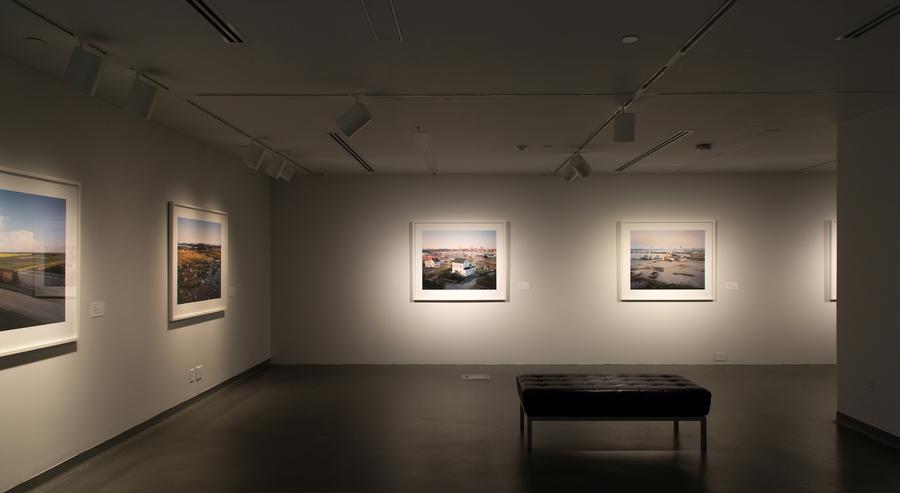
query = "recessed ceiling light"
x=630 y=39
x=36 y=40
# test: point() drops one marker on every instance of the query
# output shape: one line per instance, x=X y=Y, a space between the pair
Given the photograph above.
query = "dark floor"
x=422 y=429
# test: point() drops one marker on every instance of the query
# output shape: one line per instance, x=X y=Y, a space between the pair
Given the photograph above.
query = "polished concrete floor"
x=422 y=429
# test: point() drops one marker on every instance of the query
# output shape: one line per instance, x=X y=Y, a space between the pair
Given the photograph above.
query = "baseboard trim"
x=75 y=461
x=868 y=430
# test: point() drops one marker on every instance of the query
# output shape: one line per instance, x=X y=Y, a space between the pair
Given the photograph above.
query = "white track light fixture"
x=141 y=98
x=581 y=167
x=83 y=71
x=624 y=127
x=354 y=119
x=568 y=173
x=287 y=172
x=274 y=166
x=255 y=155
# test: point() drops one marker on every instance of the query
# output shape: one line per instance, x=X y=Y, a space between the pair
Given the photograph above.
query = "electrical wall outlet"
x=192 y=375
x=199 y=373
x=720 y=357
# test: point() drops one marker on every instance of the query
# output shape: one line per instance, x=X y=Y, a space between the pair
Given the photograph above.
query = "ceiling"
x=765 y=85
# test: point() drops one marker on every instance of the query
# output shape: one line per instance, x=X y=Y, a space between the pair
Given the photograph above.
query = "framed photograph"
x=832 y=258
x=39 y=259
x=667 y=261
x=198 y=261
x=459 y=261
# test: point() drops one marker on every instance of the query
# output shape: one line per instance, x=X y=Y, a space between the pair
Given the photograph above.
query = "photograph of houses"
x=674 y=259
x=199 y=260
x=459 y=259
x=32 y=260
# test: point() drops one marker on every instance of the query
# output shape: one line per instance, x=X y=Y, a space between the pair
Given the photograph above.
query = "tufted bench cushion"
x=594 y=396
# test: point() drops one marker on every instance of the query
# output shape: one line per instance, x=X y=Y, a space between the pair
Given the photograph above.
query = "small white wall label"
x=97 y=309
x=523 y=285
x=732 y=286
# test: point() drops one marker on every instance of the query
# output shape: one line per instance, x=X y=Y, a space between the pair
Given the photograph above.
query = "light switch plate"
x=97 y=309
x=523 y=285
x=732 y=286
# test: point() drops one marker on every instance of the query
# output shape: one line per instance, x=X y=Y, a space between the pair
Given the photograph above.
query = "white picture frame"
x=687 y=249
x=832 y=260
x=192 y=290
x=473 y=242
x=40 y=228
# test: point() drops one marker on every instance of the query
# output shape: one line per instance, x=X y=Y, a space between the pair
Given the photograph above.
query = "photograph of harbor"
x=199 y=260
x=663 y=259
x=459 y=260
x=32 y=260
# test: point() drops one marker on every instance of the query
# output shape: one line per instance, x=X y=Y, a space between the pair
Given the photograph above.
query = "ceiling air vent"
x=670 y=140
x=346 y=147
x=217 y=21
x=871 y=23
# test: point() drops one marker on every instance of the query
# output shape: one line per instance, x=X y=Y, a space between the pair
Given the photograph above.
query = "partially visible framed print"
x=198 y=261
x=39 y=259
x=667 y=261
x=459 y=261
x=832 y=257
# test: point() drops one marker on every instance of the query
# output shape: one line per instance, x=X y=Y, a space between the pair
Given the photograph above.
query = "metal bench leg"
x=528 y=433
x=675 y=425
x=703 y=434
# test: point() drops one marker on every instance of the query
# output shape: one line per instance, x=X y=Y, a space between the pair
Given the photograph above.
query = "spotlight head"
x=624 y=127
x=568 y=173
x=354 y=119
x=83 y=71
x=580 y=166
x=287 y=172
x=254 y=155
x=141 y=99
x=274 y=166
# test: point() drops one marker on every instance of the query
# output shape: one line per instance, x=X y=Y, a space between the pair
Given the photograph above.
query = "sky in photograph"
x=692 y=238
x=199 y=231
x=32 y=223
x=459 y=239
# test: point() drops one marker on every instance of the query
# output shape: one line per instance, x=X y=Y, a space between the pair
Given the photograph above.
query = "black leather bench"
x=576 y=397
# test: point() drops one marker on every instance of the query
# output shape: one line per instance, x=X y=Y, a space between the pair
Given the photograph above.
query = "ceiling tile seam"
x=122 y=61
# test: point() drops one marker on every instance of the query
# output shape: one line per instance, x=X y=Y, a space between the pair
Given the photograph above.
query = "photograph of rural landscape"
x=459 y=259
x=668 y=259
x=199 y=260
x=32 y=260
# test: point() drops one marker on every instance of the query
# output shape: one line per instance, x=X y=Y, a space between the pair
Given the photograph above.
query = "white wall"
x=868 y=335
x=341 y=260
x=131 y=364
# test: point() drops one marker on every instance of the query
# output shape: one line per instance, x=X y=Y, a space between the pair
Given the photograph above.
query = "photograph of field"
x=668 y=259
x=459 y=260
x=199 y=260
x=32 y=260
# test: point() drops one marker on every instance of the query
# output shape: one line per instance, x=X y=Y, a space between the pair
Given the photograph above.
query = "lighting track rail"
x=658 y=147
x=183 y=96
x=217 y=21
x=349 y=150
x=871 y=23
x=698 y=34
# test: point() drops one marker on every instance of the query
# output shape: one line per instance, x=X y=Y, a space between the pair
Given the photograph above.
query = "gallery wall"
x=341 y=276
x=131 y=364
x=868 y=335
